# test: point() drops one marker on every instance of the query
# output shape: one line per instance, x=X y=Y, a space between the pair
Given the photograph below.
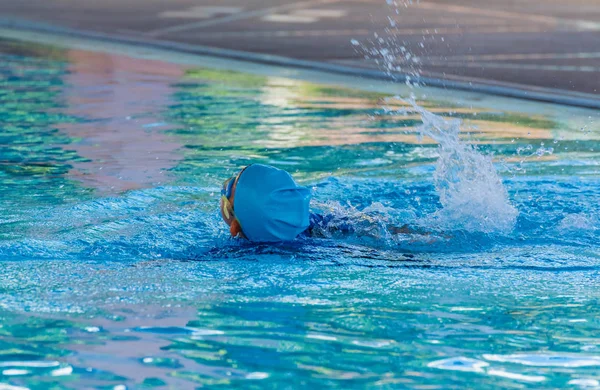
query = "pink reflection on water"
x=125 y=141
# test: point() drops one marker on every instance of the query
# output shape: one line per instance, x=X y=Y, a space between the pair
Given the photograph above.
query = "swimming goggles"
x=226 y=191
x=225 y=195
x=228 y=187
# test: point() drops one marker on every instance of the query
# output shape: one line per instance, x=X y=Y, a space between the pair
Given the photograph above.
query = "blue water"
x=117 y=271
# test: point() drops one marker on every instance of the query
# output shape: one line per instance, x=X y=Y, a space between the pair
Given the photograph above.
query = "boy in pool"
x=264 y=204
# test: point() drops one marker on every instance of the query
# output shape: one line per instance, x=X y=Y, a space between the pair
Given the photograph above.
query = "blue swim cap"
x=269 y=205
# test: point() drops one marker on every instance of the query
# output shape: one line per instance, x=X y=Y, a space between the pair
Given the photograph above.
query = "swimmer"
x=264 y=204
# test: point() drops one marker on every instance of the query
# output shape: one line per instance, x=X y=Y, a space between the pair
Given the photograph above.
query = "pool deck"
x=550 y=47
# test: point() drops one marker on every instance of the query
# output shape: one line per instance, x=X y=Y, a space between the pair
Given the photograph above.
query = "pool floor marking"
x=200 y=12
x=305 y=16
x=238 y=16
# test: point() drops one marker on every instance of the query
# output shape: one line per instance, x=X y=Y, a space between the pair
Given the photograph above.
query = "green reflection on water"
x=36 y=159
x=229 y=119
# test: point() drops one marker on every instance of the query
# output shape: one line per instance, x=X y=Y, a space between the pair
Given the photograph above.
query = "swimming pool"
x=117 y=271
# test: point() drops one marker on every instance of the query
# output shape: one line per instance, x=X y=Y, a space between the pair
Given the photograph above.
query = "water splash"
x=471 y=192
x=372 y=221
x=578 y=223
x=389 y=52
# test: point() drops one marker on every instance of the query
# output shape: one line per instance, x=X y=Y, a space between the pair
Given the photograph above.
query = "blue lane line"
x=548 y=95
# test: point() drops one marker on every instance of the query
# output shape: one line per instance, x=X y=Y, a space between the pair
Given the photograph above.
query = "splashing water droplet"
x=472 y=195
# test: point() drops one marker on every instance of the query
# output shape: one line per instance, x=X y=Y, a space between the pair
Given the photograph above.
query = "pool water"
x=117 y=271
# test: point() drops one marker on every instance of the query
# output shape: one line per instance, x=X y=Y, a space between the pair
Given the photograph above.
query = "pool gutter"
x=554 y=96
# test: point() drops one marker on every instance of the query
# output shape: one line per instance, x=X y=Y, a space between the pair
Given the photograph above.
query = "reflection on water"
x=118 y=272
x=119 y=141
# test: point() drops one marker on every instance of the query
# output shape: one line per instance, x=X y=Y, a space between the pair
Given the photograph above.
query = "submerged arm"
x=329 y=224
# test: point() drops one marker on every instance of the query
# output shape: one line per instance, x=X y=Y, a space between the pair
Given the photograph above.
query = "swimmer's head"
x=264 y=204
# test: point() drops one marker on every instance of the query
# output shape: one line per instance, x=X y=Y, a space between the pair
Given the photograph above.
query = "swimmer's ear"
x=235 y=229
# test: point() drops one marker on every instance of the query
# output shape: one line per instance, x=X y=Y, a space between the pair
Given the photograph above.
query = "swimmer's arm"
x=405 y=229
x=321 y=223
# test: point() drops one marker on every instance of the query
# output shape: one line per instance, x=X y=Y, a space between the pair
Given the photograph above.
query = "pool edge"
x=537 y=94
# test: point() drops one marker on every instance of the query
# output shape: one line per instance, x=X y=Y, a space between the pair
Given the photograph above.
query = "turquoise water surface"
x=117 y=271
